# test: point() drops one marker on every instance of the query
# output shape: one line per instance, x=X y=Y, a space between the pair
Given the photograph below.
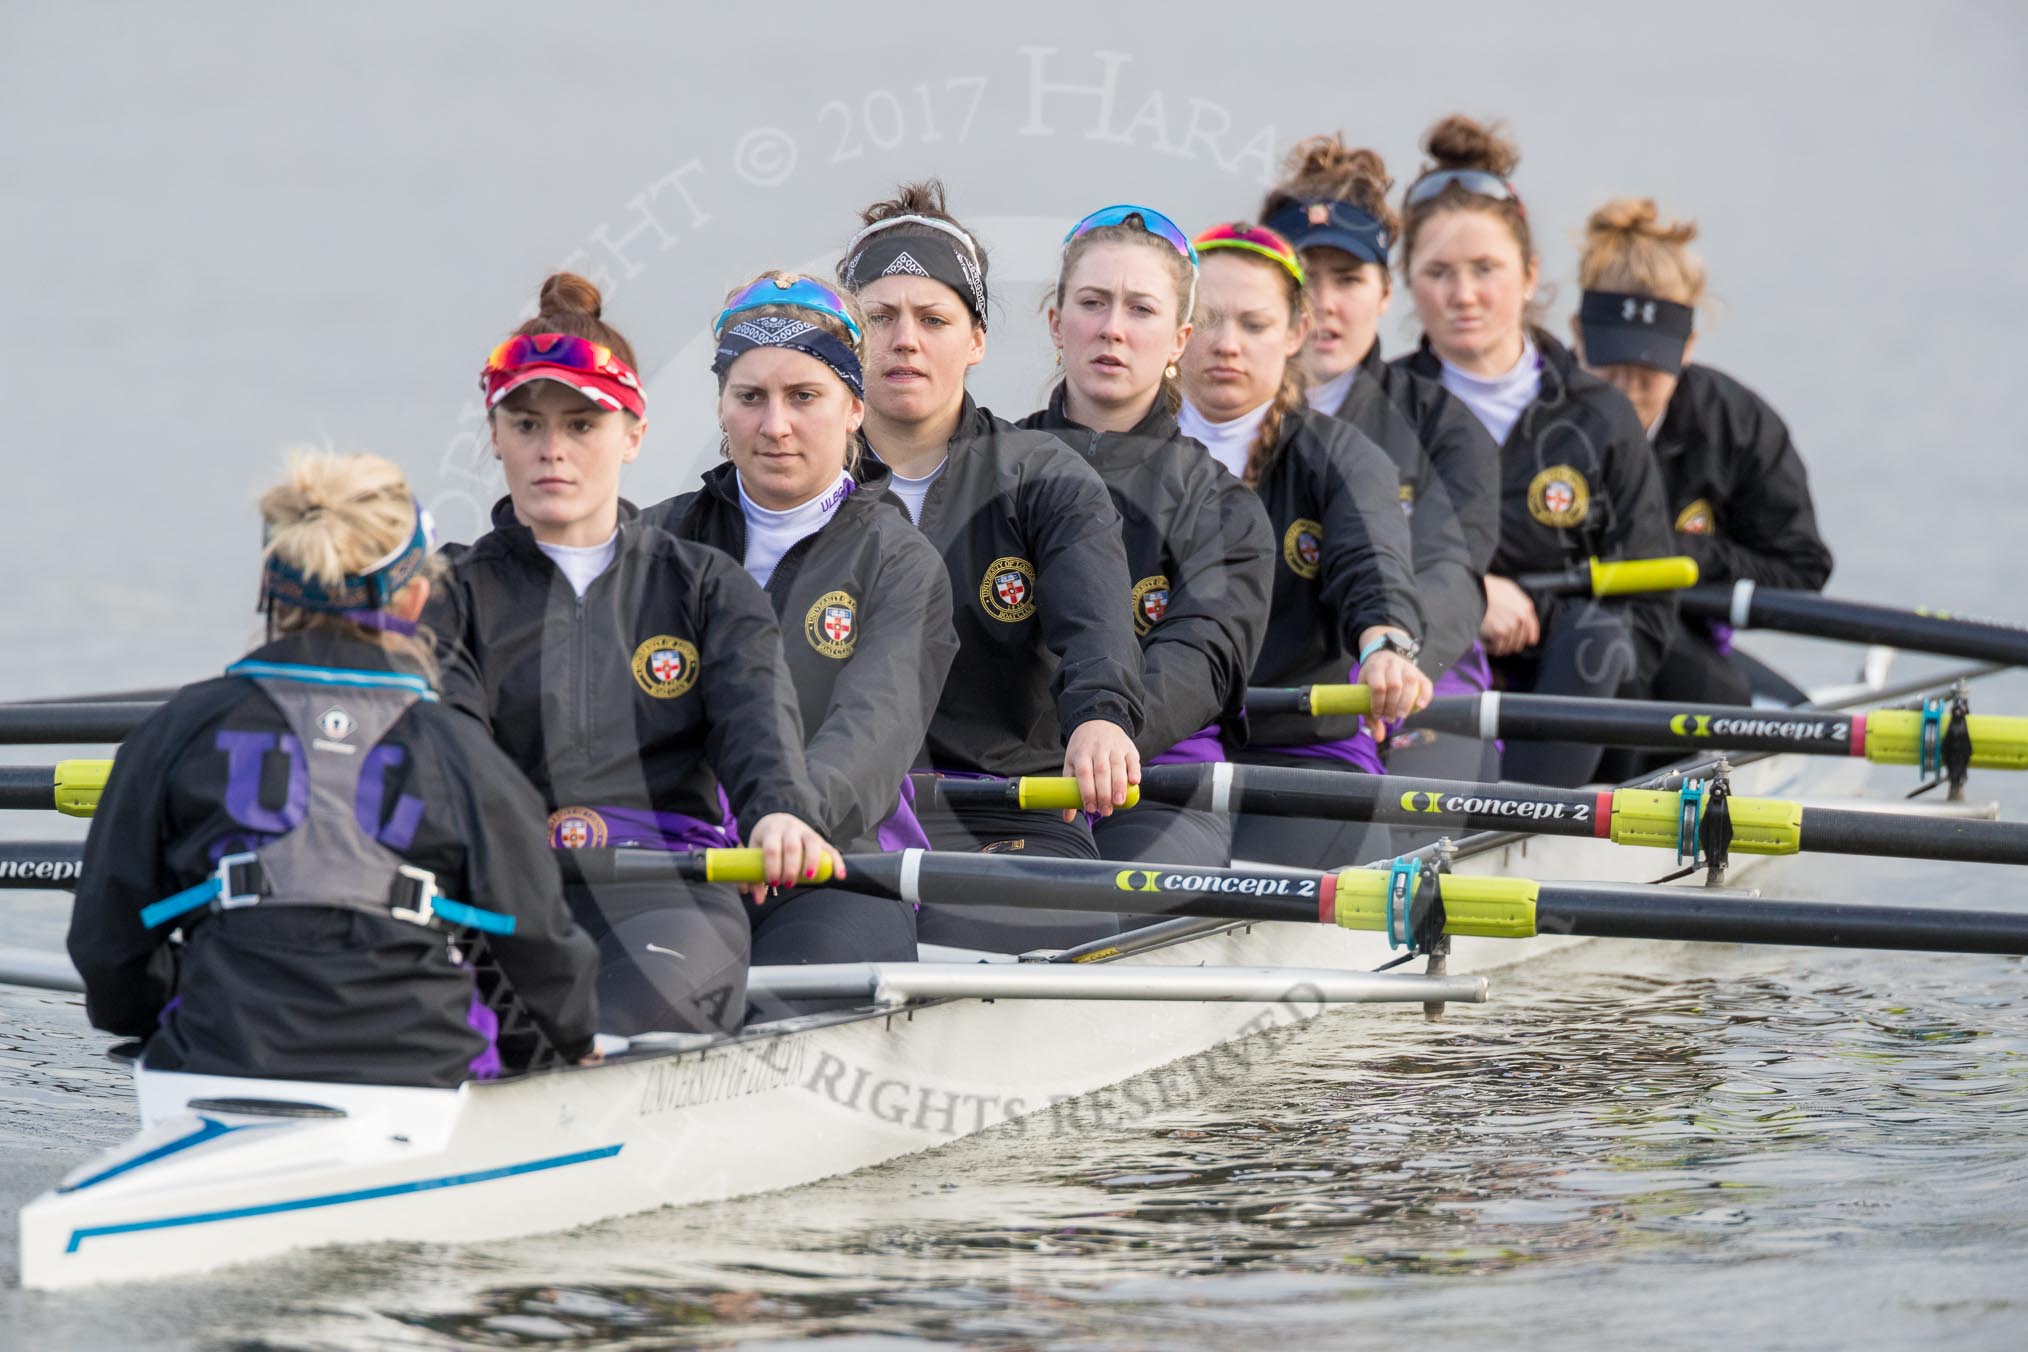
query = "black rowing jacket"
x=1737 y=490
x=300 y=991
x=1344 y=560
x=1578 y=481
x=1032 y=545
x=865 y=615
x=667 y=669
x=1201 y=556
x=1450 y=485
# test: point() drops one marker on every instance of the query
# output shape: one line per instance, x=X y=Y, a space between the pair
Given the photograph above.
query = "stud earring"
x=1059 y=356
x=1170 y=371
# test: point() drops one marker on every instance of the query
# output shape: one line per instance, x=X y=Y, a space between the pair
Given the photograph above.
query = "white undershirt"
x=1500 y=400
x=771 y=534
x=913 y=491
x=582 y=563
x=1329 y=397
x=1230 y=443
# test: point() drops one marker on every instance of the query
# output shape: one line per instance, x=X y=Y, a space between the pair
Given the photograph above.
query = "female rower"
x=325 y=835
x=628 y=673
x=1344 y=605
x=861 y=597
x=1332 y=205
x=1048 y=675
x=1737 y=489
x=1198 y=544
x=1578 y=479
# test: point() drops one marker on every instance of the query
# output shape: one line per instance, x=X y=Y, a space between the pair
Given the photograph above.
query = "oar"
x=1365 y=899
x=1616 y=577
x=72 y=787
x=54 y=724
x=1744 y=605
x=1626 y=816
x=151 y=696
x=43 y=865
x=1883 y=736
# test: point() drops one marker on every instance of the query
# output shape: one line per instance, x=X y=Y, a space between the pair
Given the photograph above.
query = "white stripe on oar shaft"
x=911 y=876
x=1742 y=602
x=1489 y=715
x=1221 y=787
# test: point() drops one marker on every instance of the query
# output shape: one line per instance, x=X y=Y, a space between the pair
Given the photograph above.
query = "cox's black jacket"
x=1032 y=545
x=667 y=669
x=1738 y=491
x=1450 y=483
x=1201 y=556
x=301 y=992
x=1578 y=480
x=865 y=614
x=1344 y=560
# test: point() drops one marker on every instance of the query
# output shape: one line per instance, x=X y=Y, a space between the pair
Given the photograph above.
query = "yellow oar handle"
x=746 y=866
x=1655 y=817
x=1489 y=908
x=1340 y=699
x=1057 y=791
x=1894 y=737
x=1625 y=577
x=79 y=784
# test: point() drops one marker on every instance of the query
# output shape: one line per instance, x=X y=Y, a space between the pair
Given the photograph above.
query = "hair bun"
x=1638 y=217
x=1458 y=142
x=568 y=293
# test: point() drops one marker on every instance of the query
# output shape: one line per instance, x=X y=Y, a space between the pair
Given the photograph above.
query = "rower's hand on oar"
x=792 y=853
x=1511 y=623
x=1102 y=759
x=1398 y=689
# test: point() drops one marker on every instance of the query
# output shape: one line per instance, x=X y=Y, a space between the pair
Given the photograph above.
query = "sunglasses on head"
x=1150 y=220
x=557 y=349
x=803 y=294
x=1478 y=182
x=1257 y=239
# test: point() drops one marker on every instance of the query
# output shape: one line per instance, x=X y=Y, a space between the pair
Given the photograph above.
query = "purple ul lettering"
x=243 y=781
x=399 y=832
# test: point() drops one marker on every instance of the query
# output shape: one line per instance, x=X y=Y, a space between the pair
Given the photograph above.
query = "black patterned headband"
x=918 y=246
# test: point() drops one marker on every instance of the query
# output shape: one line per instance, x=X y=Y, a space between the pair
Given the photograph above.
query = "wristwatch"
x=1407 y=647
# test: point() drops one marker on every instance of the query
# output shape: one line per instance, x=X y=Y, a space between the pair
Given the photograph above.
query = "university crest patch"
x=1151 y=602
x=1303 y=546
x=832 y=624
x=1696 y=519
x=576 y=828
x=1559 y=496
x=665 y=666
x=1007 y=592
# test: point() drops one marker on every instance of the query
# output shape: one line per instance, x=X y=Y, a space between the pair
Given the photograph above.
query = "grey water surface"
x=232 y=228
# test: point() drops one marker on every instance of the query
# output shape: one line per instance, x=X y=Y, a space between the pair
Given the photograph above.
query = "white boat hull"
x=779 y=1106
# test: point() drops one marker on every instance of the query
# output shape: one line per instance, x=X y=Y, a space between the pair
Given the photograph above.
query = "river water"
x=253 y=228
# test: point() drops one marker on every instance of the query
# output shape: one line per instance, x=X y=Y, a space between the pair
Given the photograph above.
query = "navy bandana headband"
x=798 y=335
x=918 y=253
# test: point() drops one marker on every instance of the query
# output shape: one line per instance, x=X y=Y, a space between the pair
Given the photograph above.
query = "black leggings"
x=1586 y=649
x=826 y=924
x=672 y=956
x=1303 y=842
x=1010 y=929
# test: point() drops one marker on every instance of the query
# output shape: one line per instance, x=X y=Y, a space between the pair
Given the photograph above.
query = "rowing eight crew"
x=1227 y=487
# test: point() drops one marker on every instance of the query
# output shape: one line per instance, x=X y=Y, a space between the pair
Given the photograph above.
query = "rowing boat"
x=228 y=1170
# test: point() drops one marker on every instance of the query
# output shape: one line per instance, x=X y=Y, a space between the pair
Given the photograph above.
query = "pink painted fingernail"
x=809 y=873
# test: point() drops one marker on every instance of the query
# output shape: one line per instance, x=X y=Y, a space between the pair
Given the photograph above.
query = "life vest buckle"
x=230 y=898
x=421 y=910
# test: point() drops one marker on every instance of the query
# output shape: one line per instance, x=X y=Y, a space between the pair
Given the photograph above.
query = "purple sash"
x=902 y=830
x=1721 y=637
x=1358 y=750
x=1202 y=747
x=634 y=828
x=1471 y=674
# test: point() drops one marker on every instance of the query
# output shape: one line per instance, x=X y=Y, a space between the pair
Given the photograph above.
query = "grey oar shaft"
x=42 y=971
x=898 y=982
